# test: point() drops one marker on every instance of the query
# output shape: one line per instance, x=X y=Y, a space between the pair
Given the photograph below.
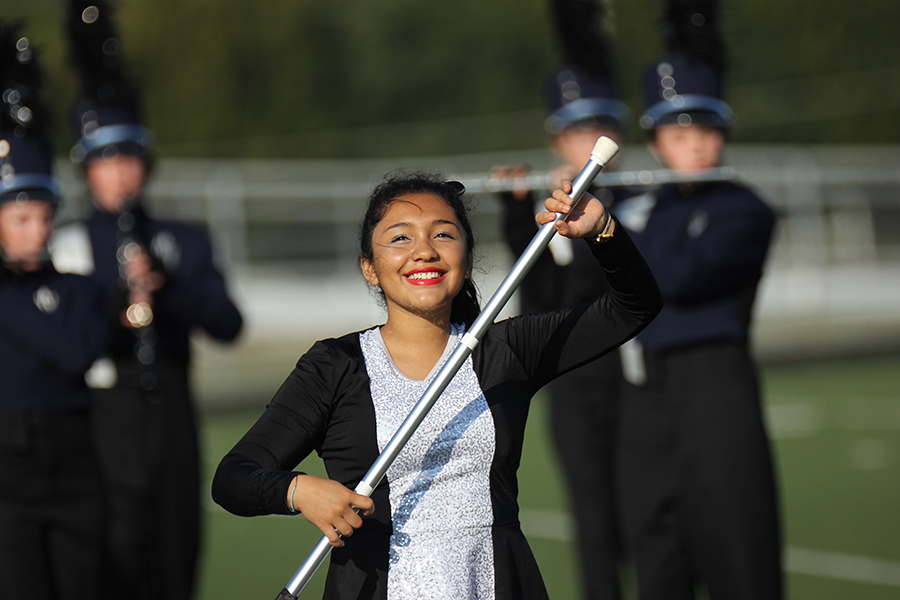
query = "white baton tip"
x=604 y=150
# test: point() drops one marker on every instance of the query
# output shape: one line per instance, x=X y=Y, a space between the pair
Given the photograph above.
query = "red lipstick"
x=425 y=276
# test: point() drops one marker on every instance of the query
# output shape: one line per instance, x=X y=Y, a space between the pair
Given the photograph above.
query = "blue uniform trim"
x=30 y=181
x=586 y=108
x=109 y=135
x=687 y=103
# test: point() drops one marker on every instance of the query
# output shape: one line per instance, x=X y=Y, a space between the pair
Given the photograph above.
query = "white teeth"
x=425 y=275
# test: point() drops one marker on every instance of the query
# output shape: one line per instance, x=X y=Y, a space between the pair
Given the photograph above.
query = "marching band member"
x=583 y=105
x=51 y=330
x=698 y=491
x=160 y=285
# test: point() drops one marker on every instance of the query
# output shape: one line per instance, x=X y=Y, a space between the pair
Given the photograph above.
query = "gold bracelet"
x=607 y=231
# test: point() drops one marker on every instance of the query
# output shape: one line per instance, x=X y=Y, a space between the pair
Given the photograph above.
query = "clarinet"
x=139 y=314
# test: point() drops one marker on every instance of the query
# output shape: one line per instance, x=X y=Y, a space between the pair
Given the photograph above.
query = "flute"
x=542 y=180
x=604 y=150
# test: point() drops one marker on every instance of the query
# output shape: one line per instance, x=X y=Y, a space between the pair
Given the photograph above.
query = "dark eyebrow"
x=435 y=222
x=443 y=222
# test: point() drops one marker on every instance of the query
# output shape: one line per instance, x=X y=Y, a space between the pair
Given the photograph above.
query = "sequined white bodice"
x=441 y=545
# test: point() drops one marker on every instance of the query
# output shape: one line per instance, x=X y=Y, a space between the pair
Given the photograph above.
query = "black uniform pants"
x=697 y=489
x=584 y=409
x=50 y=507
x=147 y=444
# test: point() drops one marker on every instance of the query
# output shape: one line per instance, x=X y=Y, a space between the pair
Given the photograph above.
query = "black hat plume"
x=107 y=117
x=692 y=28
x=95 y=52
x=21 y=80
x=583 y=92
x=26 y=158
x=582 y=31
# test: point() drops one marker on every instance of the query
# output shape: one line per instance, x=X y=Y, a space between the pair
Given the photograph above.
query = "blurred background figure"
x=583 y=105
x=697 y=487
x=51 y=330
x=160 y=284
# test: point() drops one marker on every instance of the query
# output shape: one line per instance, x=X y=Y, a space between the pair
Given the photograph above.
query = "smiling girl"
x=443 y=523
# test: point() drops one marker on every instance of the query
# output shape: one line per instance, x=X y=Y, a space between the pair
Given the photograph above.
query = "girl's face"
x=419 y=256
x=688 y=148
x=115 y=181
x=24 y=231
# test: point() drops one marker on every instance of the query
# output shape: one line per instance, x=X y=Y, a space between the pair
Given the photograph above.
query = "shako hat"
x=26 y=156
x=107 y=115
x=686 y=85
x=583 y=92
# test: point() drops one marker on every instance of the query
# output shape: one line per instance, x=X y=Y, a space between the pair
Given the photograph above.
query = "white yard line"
x=557 y=526
x=836 y=565
x=794 y=419
x=546 y=524
x=798 y=416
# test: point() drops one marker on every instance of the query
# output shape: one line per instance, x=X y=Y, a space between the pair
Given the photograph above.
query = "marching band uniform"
x=697 y=488
x=51 y=330
x=146 y=431
x=145 y=422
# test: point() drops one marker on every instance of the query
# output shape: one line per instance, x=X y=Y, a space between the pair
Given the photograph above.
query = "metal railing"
x=837 y=204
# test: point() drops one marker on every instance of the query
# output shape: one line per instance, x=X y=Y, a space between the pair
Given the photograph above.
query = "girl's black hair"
x=465 y=307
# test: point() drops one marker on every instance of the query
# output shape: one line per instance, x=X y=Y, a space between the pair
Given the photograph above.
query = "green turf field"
x=836 y=430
